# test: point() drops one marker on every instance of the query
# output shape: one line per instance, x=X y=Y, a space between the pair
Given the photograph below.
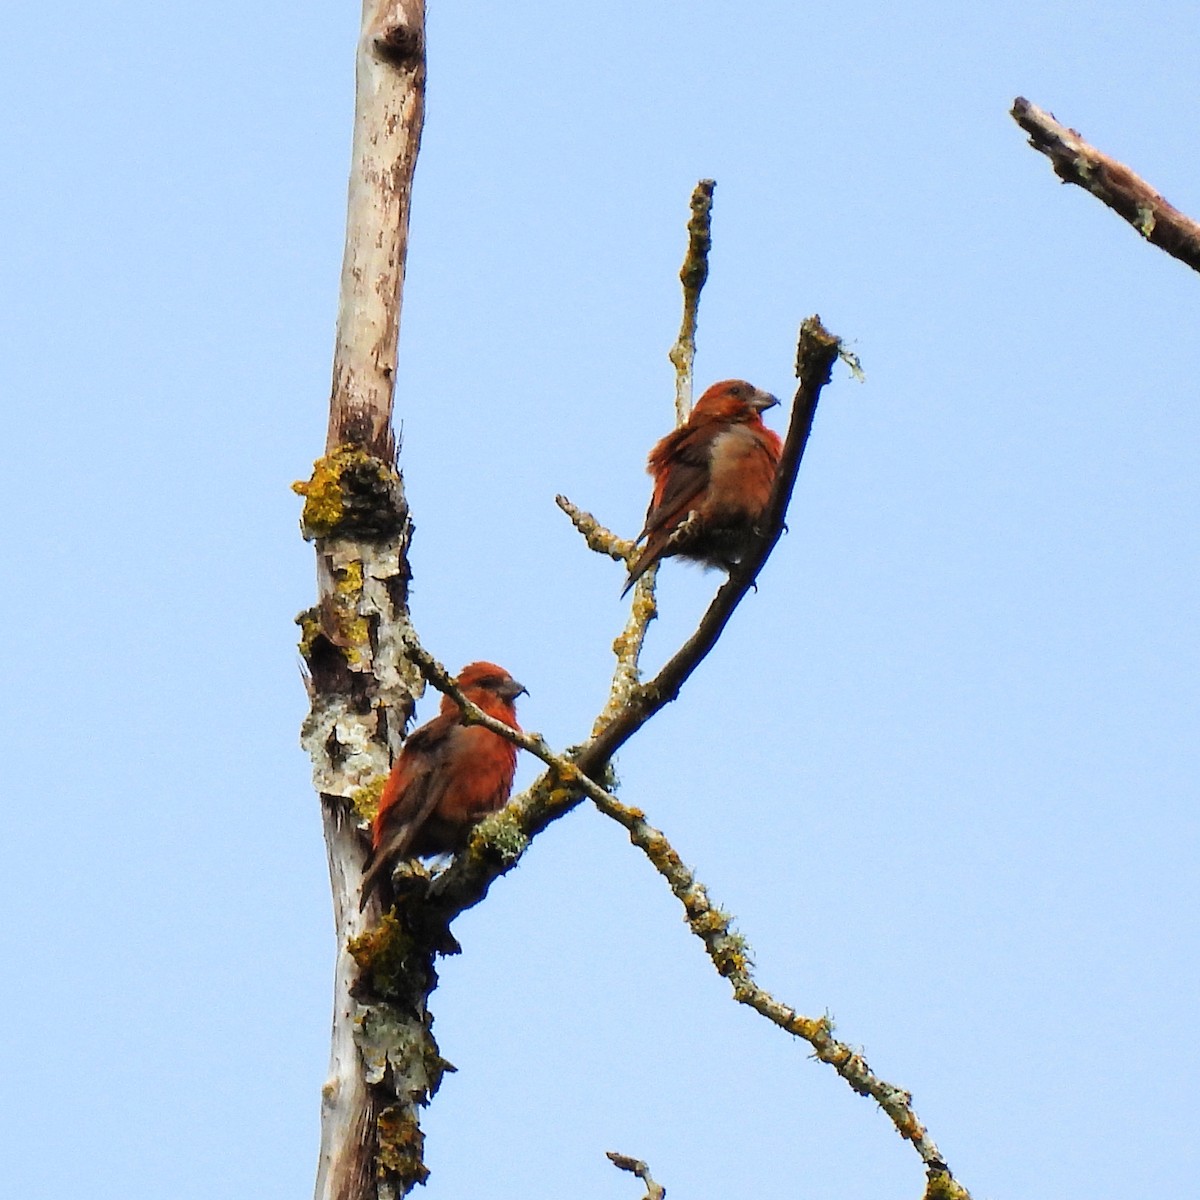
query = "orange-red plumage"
x=448 y=776
x=720 y=466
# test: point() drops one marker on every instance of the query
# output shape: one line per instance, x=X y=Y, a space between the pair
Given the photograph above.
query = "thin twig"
x=635 y=1166
x=598 y=538
x=692 y=275
x=437 y=675
x=731 y=957
x=1111 y=182
x=627 y=646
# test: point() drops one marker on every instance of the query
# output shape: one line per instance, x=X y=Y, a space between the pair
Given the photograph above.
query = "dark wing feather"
x=412 y=793
x=680 y=464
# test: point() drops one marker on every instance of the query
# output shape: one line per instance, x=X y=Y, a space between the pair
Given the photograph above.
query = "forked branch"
x=468 y=878
x=726 y=948
x=817 y=351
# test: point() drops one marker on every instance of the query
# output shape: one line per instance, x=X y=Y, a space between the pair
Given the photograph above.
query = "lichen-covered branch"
x=468 y=878
x=443 y=681
x=627 y=646
x=1111 y=182
x=692 y=275
x=635 y=1166
x=362 y=690
x=731 y=957
x=573 y=776
x=597 y=537
x=714 y=927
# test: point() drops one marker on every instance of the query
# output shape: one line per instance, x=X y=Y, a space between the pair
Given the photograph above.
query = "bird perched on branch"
x=448 y=777
x=714 y=475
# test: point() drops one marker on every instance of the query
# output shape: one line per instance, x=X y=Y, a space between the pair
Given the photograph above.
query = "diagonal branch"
x=436 y=674
x=466 y=881
x=816 y=352
x=714 y=927
x=1111 y=182
x=731 y=957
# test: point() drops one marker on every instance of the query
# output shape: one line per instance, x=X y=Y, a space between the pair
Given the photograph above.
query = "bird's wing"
x=680 y=464
x=411 y=794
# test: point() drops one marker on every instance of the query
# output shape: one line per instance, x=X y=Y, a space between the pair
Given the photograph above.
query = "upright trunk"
x=384 y=1063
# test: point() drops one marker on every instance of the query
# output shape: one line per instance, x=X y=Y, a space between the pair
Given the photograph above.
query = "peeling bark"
x=383 y=1062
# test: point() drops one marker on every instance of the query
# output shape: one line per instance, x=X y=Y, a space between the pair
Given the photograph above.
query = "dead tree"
x=366 y=667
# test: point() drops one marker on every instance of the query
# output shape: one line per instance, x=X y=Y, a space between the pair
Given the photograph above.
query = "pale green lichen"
x=500 y=835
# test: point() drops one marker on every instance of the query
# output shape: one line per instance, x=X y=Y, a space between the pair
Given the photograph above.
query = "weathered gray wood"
x=383 y=1061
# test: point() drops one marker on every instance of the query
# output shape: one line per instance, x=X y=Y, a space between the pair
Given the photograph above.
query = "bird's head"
x=732 y=400
x=487 y=685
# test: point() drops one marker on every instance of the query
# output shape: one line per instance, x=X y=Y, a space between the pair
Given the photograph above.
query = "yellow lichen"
x=383 y=954
x=365 y=800
x=356 y=633
x=351 y=492
x=324 y=501
x=942 y=1186
x=348 y=579
x=348 y=632
x=401 y=1145
x=310 y=629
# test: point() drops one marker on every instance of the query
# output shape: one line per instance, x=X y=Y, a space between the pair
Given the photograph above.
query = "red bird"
x=720 y=466
x=448 y=776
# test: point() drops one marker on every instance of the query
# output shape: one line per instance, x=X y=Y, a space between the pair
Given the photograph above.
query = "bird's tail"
x=376 y=876
x=649 y=554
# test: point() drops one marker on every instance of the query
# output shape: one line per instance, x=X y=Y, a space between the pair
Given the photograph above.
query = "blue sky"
x=942 y=767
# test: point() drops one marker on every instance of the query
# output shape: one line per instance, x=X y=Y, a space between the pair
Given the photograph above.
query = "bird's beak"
x=512 y=689
x=763 y=400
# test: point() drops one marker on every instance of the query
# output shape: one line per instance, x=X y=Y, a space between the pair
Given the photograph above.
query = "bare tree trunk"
x=383 y=1063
